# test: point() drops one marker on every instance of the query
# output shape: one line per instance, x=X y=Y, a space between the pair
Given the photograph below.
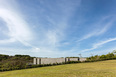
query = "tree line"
x=14 y=62
x=109 y=56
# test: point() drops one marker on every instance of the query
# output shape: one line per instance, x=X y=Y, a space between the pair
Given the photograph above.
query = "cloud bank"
x=18 y=29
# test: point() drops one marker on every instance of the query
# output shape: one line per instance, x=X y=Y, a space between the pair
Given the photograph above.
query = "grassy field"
x=95 y=69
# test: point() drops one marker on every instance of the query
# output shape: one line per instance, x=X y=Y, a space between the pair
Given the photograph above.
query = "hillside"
x=14 y=62
x=93 y=69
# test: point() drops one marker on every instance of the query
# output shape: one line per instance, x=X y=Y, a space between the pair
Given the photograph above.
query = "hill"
x=14 y=62
x=93 y=69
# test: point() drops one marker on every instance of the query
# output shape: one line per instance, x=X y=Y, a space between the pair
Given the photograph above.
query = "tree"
x=114 y=52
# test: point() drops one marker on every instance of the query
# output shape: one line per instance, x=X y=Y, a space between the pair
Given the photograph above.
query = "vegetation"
x=14 y=62
x=109 y=56
x=93 y=69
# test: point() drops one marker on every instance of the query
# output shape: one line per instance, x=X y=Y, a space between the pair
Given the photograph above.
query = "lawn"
x=94 y=69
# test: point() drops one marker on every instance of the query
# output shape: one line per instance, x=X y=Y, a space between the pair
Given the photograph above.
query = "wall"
x=52 y=60
x=73 y=59
x=34 y=61
x=55 y=60
x=82 y=59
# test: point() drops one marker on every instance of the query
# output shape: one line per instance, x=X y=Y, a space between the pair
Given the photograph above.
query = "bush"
x=108 y=56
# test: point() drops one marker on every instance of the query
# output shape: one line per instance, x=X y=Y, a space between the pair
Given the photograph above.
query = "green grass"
x=94 y=69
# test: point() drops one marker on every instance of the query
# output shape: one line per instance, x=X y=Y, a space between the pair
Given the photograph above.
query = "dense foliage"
x=108 y=56
x=14 y=62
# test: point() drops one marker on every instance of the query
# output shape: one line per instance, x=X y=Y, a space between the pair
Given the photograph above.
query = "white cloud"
x=7 y=41
x=97 y=45
x=18 y=28
x=57 y=20
x=99 y=31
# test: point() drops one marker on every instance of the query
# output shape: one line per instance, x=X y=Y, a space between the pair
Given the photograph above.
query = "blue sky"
x=57 y=28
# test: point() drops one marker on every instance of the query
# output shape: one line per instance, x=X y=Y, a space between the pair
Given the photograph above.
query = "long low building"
x=55 y=60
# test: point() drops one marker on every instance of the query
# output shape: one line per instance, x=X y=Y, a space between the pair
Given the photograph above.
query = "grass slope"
x=95 y=69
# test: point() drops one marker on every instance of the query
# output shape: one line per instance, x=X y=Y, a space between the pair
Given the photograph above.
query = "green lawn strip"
x=95 y=69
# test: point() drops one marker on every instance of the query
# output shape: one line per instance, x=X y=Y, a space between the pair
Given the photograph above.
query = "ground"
x=93 y=69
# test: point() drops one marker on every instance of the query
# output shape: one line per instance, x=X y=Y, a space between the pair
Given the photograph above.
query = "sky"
x=57 y=28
